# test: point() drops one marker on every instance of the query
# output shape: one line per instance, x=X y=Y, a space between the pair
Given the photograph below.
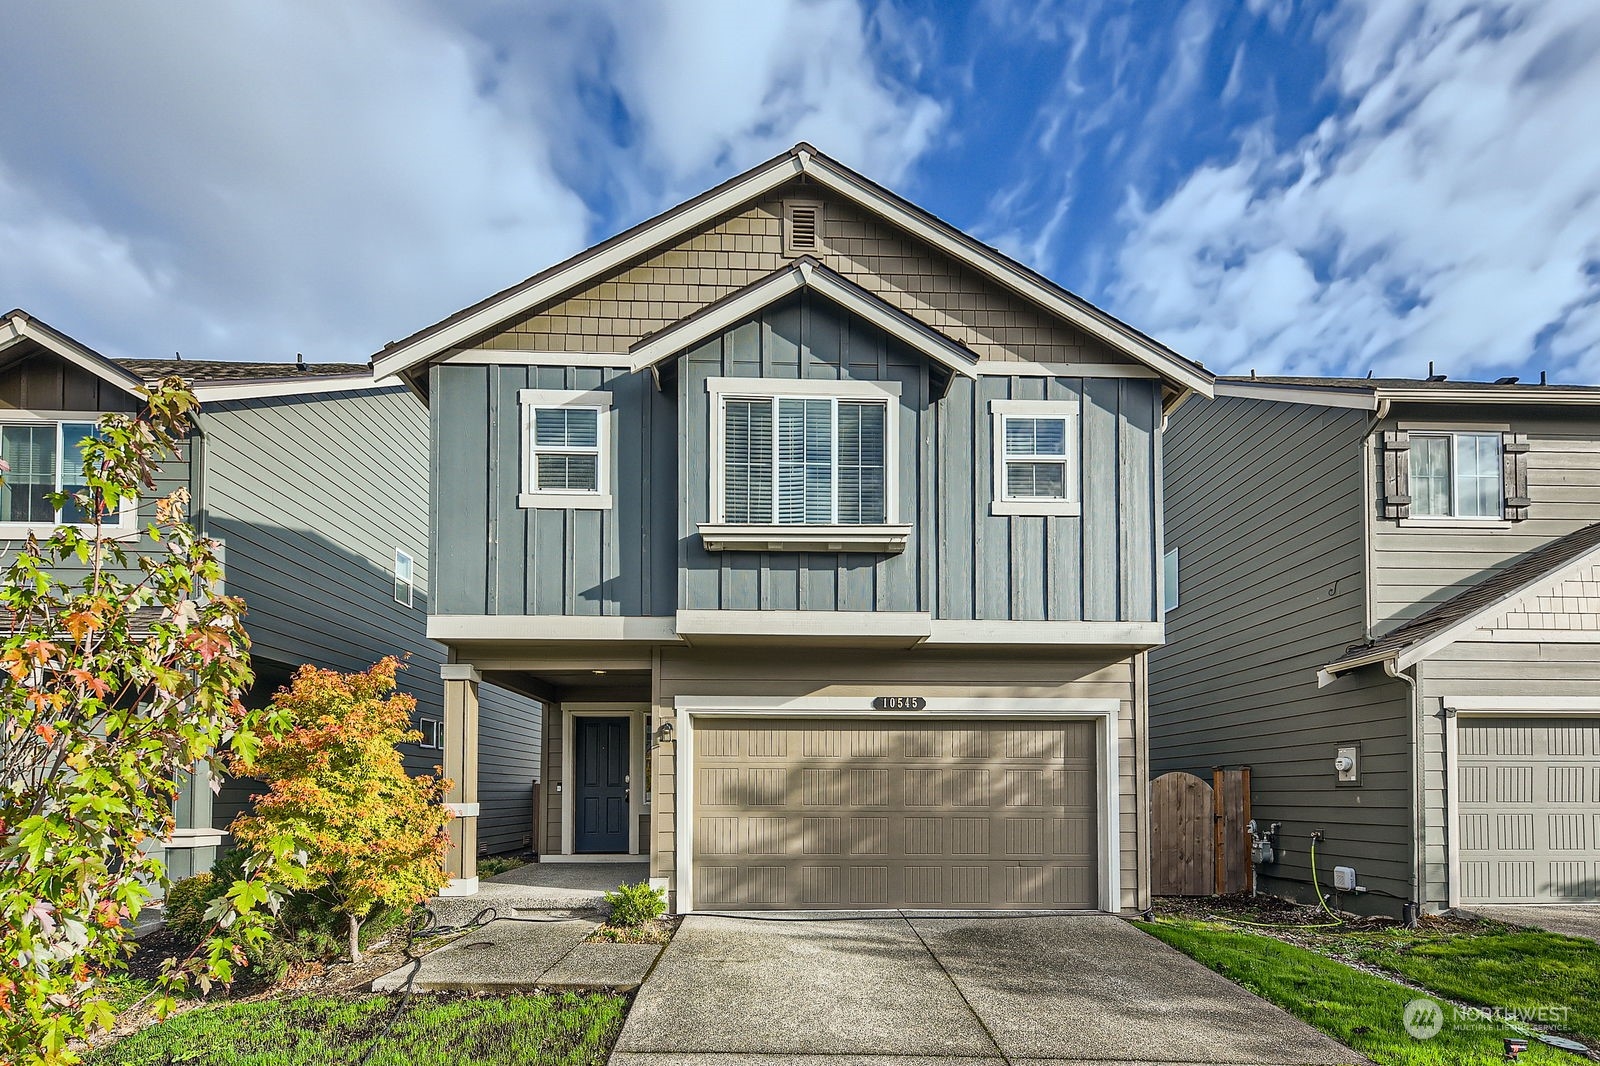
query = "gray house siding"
x=644 y=557
x=311 y=496
x=1485 y=667
x=1415 y=566
x=1264 y=505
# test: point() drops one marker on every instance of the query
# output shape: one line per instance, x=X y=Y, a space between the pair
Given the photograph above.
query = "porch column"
x=461 y=767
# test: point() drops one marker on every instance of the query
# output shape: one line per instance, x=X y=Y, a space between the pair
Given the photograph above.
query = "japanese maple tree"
x=373 y=835
x=121 y=667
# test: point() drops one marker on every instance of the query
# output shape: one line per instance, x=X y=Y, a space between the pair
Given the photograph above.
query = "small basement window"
x=405 y=585
x=1035 y=457
x=566 y=449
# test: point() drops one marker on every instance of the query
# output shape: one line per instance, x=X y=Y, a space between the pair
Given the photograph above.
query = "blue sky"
x=1329 y=187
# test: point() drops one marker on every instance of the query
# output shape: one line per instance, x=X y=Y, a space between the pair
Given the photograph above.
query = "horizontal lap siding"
x=687 y=672
x=1263 y=504
x=1415 y=567
x=311 y=497
x=1485 y=667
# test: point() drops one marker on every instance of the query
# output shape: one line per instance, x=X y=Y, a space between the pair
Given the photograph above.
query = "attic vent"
x=802 y=227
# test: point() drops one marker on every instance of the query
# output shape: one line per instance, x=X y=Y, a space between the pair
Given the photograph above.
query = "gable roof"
x=803 y=273
x=1465 y=612
x=18 y=327
x=403 y=356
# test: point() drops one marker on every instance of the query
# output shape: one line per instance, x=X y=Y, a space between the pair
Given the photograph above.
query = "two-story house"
x=830 y=537
x=1384 y=597
x=314 y=478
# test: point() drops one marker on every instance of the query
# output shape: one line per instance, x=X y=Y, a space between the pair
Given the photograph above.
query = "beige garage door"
x=1529 y=810
x=842 y=814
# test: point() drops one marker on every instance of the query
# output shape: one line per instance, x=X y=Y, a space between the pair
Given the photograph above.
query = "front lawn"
x=1357 y=1008
x=569 y=1029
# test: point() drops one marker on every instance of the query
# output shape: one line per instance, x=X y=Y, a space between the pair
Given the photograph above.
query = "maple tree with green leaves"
x=374 y=836
x=121 y=667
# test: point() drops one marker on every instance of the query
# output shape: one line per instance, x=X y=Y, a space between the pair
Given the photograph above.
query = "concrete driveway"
x=1579 y=919
x=903 y=990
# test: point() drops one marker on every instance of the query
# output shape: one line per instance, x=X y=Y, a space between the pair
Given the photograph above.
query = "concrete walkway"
x=541 y=886
x=519 y=955
x=1575 y=920
x=904 y=990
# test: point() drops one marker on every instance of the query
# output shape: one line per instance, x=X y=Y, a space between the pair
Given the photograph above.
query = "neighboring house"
x=1405 y=574
x=831 y=538
x=314 y=478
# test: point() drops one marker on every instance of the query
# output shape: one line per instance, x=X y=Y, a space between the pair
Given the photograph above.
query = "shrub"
x=186 y=906
x=633 y=905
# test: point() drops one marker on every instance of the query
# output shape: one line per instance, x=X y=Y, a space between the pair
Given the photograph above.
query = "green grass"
x=1519 y=969
x=570 y=1029
x=1358 y=1009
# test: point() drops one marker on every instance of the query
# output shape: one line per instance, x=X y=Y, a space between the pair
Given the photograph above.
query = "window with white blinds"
x=805 y=460
x=41 y=458
x=566 y=454
x=1035 y=457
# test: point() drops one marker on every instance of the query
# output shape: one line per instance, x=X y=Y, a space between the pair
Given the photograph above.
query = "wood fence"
x=1199 y=845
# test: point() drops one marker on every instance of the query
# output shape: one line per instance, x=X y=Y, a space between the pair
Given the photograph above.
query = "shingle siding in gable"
x=914 y=277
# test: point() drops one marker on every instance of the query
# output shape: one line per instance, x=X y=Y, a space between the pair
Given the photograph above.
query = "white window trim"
x=1453 y=520
x=127 y=520
x=1171 y=595
x=843 y=536
x=411 y=576
x=531 y=400
x=438 y=734
x=999 y=411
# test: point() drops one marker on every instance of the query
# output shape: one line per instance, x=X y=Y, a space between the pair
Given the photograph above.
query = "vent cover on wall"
x=802 y=227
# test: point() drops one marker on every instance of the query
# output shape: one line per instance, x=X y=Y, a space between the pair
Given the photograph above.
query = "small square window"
x=432 y=731
x=405 y=586
x=566 y=449
x=1035 y=463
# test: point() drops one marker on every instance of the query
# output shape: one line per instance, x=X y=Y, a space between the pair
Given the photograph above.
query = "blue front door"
x=600 y=764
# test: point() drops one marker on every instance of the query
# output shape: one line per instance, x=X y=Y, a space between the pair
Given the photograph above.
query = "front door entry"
x=600 y=764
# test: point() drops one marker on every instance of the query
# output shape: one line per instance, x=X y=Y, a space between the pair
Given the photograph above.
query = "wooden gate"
x=1199 y=845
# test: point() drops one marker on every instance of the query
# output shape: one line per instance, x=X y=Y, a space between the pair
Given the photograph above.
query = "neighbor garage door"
x=1529 y=809
x=845 y=814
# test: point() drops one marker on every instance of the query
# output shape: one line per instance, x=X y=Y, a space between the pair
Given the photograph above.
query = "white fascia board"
x=219 y=392
x=552 y=628
x=17 y=329
x=1532 y=705
x=1312 y=395
x=989 y=263
x=856 y=706
x=900 y=628
x=668 y=342
x=674 y=224
x=1107 y=634
x=1476 y=621
x=1524 y=394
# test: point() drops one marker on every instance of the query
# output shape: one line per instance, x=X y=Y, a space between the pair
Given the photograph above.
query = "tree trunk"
x=355 y=937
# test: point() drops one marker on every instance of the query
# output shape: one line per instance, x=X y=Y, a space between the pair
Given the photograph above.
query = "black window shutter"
x=1514 y=474
x=1396 y=457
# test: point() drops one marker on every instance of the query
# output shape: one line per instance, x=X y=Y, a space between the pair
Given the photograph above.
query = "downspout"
x=1418 y=790
x=1370 y=506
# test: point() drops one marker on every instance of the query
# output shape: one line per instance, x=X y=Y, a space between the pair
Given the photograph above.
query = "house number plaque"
x=899 y=703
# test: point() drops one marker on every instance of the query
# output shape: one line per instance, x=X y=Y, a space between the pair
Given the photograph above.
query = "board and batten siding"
x=1415 y=567
x=692 y=672
x=496 y=557
x=1485 y=666
x=311 y=496
x=1264 y=505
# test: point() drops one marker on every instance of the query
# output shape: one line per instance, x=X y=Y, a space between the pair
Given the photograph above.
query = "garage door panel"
x=1528 y=802
x=840 y=814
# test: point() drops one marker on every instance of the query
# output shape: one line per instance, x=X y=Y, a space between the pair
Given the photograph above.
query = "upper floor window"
x=803 y=452
x=43 y=457
x=566 y=449
x=1169 y=580
x=1455 y=475
x=432 y=731
x=1035 y=457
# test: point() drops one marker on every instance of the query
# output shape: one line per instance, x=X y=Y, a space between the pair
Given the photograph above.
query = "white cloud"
x=250 y=180
x=1448 y=212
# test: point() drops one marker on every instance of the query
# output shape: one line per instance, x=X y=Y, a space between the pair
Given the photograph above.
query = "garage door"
x=836 y=814
x=1529 y=809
